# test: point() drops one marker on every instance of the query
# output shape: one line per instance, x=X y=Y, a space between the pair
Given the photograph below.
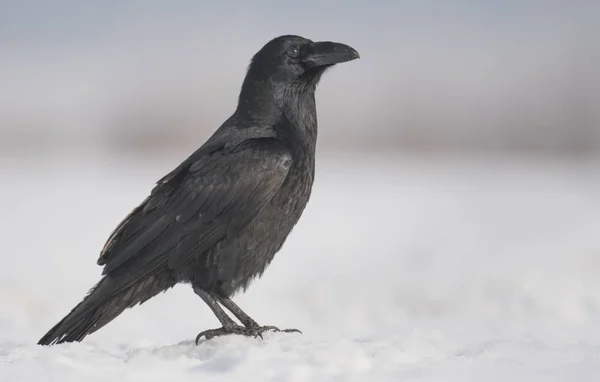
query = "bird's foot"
x=255 y=331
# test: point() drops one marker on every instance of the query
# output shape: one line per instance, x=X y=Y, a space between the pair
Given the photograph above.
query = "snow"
x=454 y=269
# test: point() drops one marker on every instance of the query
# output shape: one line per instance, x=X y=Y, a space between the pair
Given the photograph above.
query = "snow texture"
x=400 y=270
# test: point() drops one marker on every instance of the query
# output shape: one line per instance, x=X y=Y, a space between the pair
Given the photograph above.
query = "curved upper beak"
x=328 y=53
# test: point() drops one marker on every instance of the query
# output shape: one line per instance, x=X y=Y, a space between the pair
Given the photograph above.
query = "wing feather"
x=186 y=216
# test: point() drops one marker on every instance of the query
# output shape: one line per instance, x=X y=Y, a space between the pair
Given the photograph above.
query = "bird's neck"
x=257 y=103
x=300 y=112
x=286 y=107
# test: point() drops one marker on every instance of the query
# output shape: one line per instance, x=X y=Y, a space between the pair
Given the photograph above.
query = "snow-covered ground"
x=400 y=270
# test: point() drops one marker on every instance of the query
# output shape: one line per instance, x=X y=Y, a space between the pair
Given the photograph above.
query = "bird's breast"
x=289 y=202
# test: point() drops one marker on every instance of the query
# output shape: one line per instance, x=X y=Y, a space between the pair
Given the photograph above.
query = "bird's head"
x=292 y=59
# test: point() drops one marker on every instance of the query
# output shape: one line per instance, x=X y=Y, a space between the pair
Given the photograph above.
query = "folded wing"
x=205 y=201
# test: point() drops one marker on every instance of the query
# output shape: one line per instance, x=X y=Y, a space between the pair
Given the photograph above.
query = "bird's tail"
x=98 y=308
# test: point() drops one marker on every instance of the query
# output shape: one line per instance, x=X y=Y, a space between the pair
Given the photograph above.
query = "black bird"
x=217 y=220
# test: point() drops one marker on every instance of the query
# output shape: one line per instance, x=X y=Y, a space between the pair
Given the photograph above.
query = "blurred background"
x=457 y=169
x=143 y=77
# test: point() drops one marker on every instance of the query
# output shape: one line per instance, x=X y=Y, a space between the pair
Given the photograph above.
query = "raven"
x=217 y=220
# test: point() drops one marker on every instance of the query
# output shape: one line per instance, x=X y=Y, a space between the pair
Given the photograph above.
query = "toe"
x=267 y=328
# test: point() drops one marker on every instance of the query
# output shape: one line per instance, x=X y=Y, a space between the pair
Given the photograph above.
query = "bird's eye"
x=293 y=52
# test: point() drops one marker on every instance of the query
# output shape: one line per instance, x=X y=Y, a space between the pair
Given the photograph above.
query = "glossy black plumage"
x=217 y=220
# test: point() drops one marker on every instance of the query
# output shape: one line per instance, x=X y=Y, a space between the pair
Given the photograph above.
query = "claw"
x=207 y=334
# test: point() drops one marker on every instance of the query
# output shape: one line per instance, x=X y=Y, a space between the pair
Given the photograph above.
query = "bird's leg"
x=229 y=326
x=223 y=318
x=246 y=320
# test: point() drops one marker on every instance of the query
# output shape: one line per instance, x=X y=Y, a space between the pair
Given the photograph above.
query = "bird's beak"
x=328 y=53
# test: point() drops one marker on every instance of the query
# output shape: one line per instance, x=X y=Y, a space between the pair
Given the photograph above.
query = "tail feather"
x=82 y=319
x=74 y=327
x=100 y=307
